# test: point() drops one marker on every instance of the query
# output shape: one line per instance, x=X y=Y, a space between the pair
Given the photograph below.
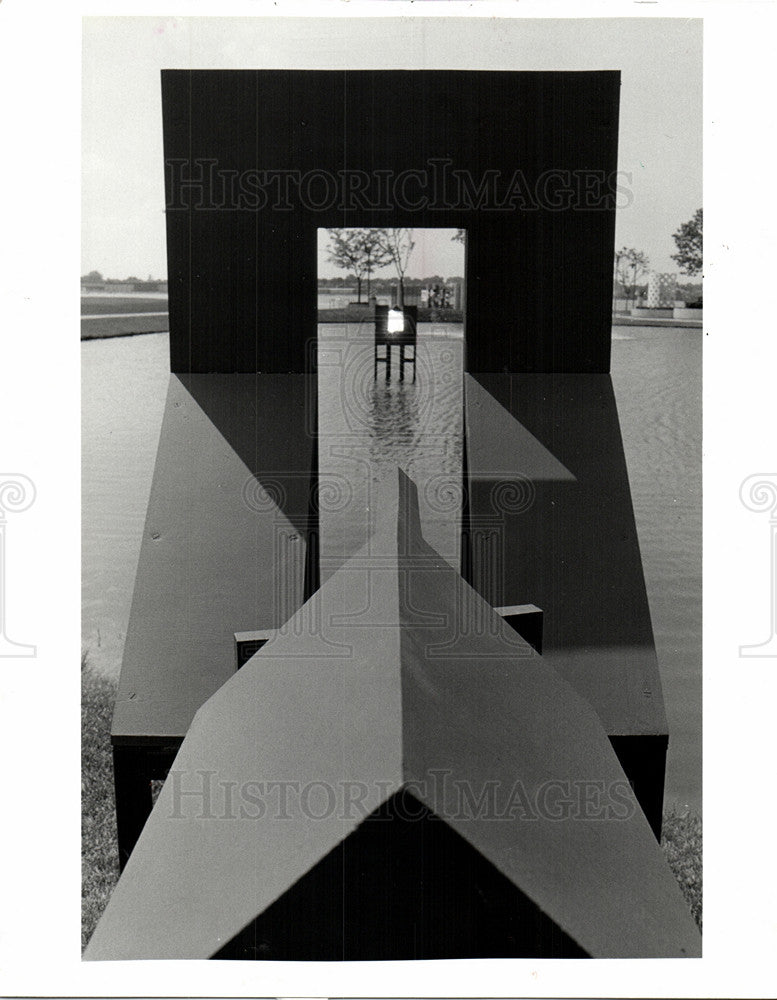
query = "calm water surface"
x=656 y=373
x=657 y=379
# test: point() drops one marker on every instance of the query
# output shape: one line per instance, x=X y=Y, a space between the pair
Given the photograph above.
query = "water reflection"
x=368 y=426
x=395 y=429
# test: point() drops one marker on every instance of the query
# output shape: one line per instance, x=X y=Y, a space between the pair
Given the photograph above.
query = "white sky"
x=122 y=174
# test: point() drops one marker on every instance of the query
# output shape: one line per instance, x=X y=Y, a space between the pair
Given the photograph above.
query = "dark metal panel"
x=404 y=885
x=242 y=246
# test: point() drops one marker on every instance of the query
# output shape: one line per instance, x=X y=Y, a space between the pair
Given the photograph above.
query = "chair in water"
x=396 y=327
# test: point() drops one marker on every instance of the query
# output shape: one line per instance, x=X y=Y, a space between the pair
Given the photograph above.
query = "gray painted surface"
x=565 y=542
x=499 y=447
x=395 y=669
x=218 y=554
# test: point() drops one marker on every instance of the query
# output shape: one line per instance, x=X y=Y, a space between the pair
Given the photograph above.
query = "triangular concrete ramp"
x=240 y=818
x=404 y=885
x=530 y=777
x=342 y=709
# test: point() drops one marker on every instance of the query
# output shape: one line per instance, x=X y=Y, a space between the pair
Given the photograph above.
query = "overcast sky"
x=660 y=143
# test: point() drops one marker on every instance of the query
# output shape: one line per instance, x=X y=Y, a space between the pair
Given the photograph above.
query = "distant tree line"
x=96 y=278
x=385 y=284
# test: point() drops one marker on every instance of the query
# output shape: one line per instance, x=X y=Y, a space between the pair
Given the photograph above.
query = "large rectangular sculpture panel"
x=257 y=160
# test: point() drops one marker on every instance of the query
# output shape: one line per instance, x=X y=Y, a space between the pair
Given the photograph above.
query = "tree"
x=688 y=240
x=93 y=276
x=630 y=265
x=398 y=244
x=360 y=251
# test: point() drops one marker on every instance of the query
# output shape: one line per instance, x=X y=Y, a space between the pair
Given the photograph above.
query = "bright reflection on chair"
x=396 y=321
x=395 y=326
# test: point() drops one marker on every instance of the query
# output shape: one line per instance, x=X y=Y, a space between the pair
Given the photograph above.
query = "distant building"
x=662 y=290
